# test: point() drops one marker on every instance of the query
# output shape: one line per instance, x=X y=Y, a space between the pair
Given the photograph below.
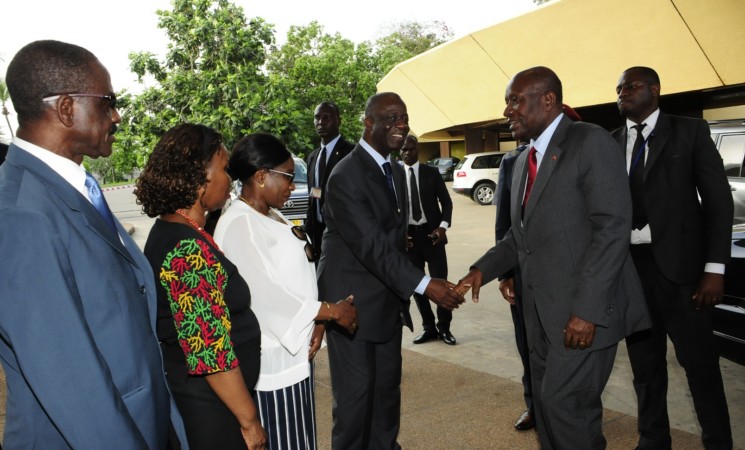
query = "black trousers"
x=437 y=264
x=673 y=314
x=521 y=338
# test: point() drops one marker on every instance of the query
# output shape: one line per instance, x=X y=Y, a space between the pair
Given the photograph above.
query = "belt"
x=423 y=227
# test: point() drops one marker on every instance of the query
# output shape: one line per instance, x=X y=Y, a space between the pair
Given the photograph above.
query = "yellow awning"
x=692 y=44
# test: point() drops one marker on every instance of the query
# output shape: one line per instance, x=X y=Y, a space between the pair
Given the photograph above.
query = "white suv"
x=476 y=176
x=729 y=137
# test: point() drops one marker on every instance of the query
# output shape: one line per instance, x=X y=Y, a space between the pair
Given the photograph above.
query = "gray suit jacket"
x=364 y=245
x=77 y=322
x=572 y=245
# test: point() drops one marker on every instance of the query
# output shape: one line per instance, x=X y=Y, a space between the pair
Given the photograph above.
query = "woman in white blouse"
x=276 y=259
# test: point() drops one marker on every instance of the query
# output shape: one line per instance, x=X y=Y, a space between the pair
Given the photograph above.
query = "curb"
x=113 y=188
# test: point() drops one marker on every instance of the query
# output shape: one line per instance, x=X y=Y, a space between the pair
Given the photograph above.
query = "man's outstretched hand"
x=442 y=293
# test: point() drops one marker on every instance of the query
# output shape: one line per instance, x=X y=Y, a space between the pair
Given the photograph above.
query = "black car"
x=445 y=166
x=729 y=316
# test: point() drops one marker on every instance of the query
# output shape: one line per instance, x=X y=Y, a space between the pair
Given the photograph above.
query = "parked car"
x=476 y=176
x=729 y=137
x=729 y=317
x=446 y=166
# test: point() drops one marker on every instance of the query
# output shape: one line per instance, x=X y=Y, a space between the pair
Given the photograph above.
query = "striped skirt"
x=289 y=416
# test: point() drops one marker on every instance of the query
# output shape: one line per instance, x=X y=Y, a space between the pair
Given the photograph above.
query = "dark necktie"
x=321 y=166
x=99 y=202
x=532 y=170
x=416 y=209
x=389 y=179
x=636 y=180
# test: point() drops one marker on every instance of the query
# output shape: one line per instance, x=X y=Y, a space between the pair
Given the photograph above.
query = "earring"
x=261 y=185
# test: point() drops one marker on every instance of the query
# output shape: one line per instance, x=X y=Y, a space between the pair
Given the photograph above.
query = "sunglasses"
x=290 y=176
x=110 y=98
x=303 y=236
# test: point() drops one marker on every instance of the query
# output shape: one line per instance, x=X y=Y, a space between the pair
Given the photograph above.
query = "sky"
x=111 y=30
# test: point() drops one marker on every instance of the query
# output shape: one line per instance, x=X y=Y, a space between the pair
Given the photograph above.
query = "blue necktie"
x=389 y=178
x=99 y=202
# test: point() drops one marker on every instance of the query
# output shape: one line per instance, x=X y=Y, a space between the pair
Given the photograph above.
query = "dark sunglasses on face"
x=303 y=236
x=110 y=98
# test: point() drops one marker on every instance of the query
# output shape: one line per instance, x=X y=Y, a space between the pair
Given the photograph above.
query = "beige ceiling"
x=693 y=44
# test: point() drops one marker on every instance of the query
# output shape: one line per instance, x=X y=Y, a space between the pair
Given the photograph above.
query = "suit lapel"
x=548 y=163
x=73 y=200
x=656 y=142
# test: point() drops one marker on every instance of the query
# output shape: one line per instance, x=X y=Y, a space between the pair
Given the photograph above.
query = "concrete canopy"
x=692 y=44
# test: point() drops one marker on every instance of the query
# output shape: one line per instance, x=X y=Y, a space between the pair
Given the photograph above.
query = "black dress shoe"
x=428 y=335
x=447 y=337
x=526 y=421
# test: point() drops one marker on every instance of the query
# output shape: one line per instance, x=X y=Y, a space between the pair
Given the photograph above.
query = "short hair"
x=411 y=137
x=254 y=152
x=44 y=68
x=649 y=74
x=176 y=169
x=331 y=105
x=545 y=77
x=374 y=99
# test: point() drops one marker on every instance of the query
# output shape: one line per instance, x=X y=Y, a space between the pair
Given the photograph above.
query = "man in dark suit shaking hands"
x=680 y=244
x=571 y=212
x=430 y=215
x=321 y=162
x=364 y=253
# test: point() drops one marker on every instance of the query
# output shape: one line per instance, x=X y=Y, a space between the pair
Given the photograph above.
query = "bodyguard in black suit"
x=680 y=245
x=333 y=148
x=430 y=215
x=364 y=253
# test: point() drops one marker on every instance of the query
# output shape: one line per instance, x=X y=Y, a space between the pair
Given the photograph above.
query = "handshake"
x=449 y=295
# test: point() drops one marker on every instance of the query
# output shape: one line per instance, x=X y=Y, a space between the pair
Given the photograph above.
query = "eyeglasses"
x=290 y=176
x=394 y=119
x=111 y=98
x=303 y=236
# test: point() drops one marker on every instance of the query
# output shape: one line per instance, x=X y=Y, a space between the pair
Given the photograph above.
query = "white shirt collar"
x=650 y=121
x=541 y=144
x=375 y=155
x=66 y=168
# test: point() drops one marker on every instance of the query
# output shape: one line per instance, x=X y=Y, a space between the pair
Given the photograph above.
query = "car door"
x=732 y=148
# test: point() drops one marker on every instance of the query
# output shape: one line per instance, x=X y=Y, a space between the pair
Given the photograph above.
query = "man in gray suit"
x=364 y=253
x=571 y=212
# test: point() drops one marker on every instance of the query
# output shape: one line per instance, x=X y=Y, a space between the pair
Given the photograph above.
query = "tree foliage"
x=225 y=71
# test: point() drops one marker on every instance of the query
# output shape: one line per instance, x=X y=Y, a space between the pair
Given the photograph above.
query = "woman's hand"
x=346 y=314
x=254 y=435
x=316 y=338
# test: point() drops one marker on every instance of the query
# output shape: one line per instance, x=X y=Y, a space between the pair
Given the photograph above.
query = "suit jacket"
x=312 y=225
x=572 y=244
x=436 y=203
x=77 y=320
x=683 y=164
x=364 y=245
x=502 y=198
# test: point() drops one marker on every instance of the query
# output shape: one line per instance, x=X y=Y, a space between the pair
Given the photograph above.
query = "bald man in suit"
x=571 y=211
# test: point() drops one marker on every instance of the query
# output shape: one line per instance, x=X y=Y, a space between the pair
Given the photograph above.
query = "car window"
x=301 y=172
x=732 y=149
x=495 y=161
x=481 y=162
x=461 y=164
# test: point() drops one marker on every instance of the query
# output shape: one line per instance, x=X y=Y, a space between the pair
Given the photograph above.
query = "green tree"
x=211 y=74
x=4 y=97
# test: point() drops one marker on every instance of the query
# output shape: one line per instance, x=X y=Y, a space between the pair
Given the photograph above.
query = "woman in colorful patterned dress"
x=209 y=336
x=276 y=259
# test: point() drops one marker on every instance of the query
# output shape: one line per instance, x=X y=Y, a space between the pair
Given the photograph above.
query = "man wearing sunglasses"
x=77 y=303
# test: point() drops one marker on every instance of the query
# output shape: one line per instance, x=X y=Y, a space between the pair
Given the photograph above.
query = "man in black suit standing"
x=510 y=283
x=364 y=253
x=321 y=161
x=680 y=245
x=430 y=215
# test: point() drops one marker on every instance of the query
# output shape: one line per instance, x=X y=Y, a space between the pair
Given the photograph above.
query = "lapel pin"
x=553 y=157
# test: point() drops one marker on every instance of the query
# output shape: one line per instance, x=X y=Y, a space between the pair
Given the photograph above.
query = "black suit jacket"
x=436 y=203
x=683 y=164
x=364 y=245
x=502 y=198
x=312 y=225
